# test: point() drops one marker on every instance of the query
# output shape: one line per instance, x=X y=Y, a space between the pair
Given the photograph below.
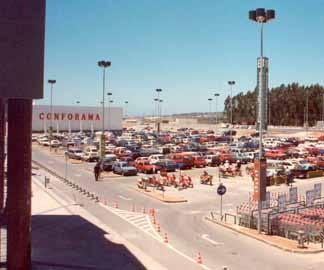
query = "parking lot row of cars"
x=147 y=152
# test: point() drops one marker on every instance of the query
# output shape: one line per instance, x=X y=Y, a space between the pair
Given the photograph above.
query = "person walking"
x=97 y=170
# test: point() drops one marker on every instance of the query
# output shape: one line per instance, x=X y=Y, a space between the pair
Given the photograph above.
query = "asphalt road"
x=187 y=230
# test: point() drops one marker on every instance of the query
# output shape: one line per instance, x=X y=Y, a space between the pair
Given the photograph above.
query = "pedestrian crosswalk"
x=138 y=220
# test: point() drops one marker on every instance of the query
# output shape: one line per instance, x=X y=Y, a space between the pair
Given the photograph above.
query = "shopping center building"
x=76 y=118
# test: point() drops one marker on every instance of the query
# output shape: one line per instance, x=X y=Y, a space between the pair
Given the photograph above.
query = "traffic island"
x=271 y=240
x=161 y=196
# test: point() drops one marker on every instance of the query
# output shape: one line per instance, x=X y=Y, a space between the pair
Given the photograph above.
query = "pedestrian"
x=96 y=171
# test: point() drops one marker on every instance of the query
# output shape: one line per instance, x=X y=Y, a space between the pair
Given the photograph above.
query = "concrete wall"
x=76 y=118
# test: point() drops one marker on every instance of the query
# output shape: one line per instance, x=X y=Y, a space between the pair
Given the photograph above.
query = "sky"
x=188 y=48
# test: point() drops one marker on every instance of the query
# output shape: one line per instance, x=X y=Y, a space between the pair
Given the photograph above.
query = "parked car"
x=56 y=143
x=106 y=164
x=182 y=161
x=145 y=166
x=74 y=153
x=167 y=165
x=155 y=158
x=275 y=154
x=90 y=154
x=199 y=162
x=124 y=169
x=212 y=160
x=301 y=171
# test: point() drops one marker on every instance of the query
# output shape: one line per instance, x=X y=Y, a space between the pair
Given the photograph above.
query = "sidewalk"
x=272 y=240
x=65 y=236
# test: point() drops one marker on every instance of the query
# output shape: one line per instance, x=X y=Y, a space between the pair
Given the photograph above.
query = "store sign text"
x=70 y=116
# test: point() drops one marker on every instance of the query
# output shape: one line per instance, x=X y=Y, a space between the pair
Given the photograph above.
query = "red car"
x=275 y=154
x=145 y=166
x=199 y=162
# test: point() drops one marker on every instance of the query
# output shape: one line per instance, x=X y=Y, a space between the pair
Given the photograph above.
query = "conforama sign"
x=75 y=118
x=69 y=116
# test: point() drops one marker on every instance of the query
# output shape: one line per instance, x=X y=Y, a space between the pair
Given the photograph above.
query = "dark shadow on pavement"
x=69 y=242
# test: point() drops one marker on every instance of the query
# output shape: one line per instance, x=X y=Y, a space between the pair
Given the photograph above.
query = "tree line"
x=286 y=105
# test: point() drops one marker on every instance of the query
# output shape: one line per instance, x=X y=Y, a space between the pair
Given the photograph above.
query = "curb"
x=150 y=194
x=265 y=241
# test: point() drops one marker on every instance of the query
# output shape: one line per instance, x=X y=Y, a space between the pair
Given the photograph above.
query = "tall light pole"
x=307 y=100
x=231 y=83
x=209 y=106
x=51 y=82
x=160 y=112
x=109 y=94
x=103 y=64
x=261 y=16
x=216 y=117
x=158 y=108
x=126 y=103
x=78 y=102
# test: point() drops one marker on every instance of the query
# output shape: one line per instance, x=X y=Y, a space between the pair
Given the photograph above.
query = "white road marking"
x=77 y=175
x=124 y=198
x=206 y=237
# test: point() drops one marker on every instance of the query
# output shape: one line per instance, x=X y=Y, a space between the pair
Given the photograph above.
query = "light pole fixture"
x=231 y=83
x=261 y=16
x=51 y=82
x=216 y=97
x=103 y=64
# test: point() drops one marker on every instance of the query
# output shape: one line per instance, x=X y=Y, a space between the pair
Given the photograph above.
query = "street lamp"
x=231 y=83
x=216 y=117
x=109 y=94
x=158 y=108
x=126 y=103
x=103 y=64
x=307 y=101
x=78 y=102
x=260 y=15
x=209 y=103
x=51 y=82
x=160 y=102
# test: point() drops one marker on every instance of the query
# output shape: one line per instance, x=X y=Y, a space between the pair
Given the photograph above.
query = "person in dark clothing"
x=97 y=170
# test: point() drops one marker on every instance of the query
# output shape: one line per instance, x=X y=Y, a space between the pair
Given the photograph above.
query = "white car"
x=155 y=158
x=55 y=143
x=90 y=154
x=44 y=142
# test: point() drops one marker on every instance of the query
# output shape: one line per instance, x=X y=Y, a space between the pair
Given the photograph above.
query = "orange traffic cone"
x=152 y=212
x=143 y=210
x=153 y=220
x=116 y=205
x=158 y=229
x=199 y=259
x=165 y=240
